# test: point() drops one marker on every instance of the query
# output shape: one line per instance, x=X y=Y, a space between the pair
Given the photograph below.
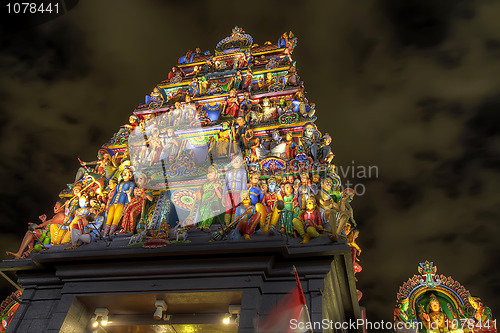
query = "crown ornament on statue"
x=238 y=40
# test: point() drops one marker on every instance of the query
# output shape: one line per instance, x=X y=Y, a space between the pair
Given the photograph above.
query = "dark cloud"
x=404 y=194
x=427 y=155
x=451 y=58
x=492 y=46
x=422 y=23
x=48 y=53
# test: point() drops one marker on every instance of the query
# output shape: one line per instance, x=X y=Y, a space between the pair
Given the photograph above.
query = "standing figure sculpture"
x=310 y=138
x=325 y=199
x=117 y=203
x=270 y=201
x=136 y=204
x=169 y=153
x=235 y=183
x=210 y=195
x=344 y=210
x=306 y=190
x=290 y=211
x=232 y=104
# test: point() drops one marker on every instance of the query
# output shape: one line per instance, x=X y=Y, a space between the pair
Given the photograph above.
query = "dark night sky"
x=411 y=87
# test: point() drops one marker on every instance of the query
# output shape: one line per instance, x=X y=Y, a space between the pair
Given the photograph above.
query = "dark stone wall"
x=263 y=275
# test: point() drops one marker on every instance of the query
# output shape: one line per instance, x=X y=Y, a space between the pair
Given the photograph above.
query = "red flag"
x=290 y=314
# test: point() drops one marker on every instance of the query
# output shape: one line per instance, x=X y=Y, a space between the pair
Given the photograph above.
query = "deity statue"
x=325 y=200
x=150 y=152
x=351 y=235
x=269 y=112
x=210 y=195
x=105 y=165
x=292 y=78
x=325 y=151
x=278 y=145
x=306 y=190
x=344 y=210
x=232 y=104
x=246 y=216
x=170 y=147
x=237 y=81
x=61 y=233
x=310 y=139
x=175 y=75
x=36 y=231
x=290 y=146
x=436 y=320
x=245 y=104
x=309 y=224
x=188 y=110
x=256 y=196
x=118 y=202
x=482 y=314
x=239 y=133
x=86 y=227
x=290 y=210
x=235 y=183
x=224 y=140
x=270 y=202
x=136 y=205
x=401 y=311
x=248 y=83
x=254 y=190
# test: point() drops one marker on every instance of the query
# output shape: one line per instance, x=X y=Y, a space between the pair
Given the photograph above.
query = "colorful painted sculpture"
x=435 y=319
x=36 y=232
x=325 y=199
x=117 y=203
x=105 y=165
x=270 y=202
x=309 y=225
x=232 y=104
x=306 y=190
x=215 y=122
x=210 y=195
x=61 y=233
x=8 y=309
x=344 y=210
x=351 y=234
x=247 y=216
x=401 y=312
x=290 y=210
x=439 y=303
x=235 y=183
x=88 y=224
x=224 y=140
x=136 y=204
x=483 y=318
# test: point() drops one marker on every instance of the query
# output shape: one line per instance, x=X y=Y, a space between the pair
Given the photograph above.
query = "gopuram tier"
x=220 y=183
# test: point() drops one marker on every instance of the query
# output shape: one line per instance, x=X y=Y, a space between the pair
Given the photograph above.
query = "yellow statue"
x=436 y=321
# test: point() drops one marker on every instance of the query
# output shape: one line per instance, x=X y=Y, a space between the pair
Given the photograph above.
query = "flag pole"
x=301 y=293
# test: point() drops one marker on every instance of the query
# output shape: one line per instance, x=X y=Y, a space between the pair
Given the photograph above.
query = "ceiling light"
x=94 y=322
x=233 y=310
x=227 y=319
x=99 y=313
x=160 y=307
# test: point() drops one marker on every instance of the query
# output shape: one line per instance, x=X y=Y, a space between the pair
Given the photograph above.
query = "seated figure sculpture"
x=436 y=320
x=35 y=232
